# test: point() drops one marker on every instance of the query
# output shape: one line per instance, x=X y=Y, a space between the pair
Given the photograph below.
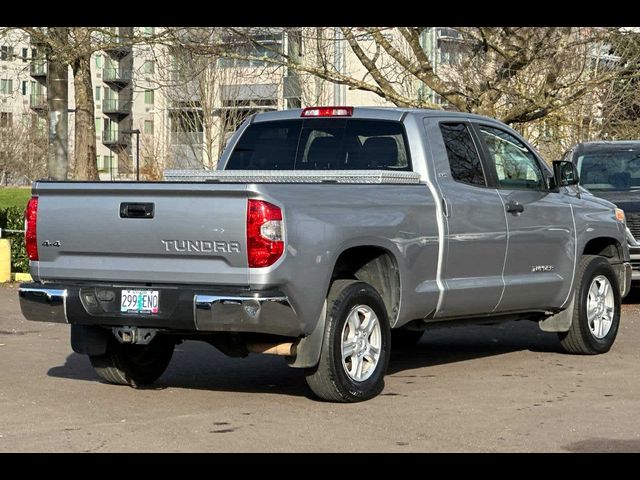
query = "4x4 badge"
x=47 y=243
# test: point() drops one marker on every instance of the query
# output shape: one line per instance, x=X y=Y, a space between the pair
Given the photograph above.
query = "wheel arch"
x=368 y=263
x=607 y=247
x=377 y=266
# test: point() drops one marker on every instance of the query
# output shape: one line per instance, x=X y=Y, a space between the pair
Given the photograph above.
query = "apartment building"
x=183 y=115
x=186 y=108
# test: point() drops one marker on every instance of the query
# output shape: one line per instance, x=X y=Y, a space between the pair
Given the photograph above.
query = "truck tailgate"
x=195 y=235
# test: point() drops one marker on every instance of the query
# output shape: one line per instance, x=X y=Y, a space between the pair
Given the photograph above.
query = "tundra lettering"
x=203 y=246
x=339 y=234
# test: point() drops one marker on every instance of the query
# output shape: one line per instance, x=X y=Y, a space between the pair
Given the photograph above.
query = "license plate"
x=139 y=301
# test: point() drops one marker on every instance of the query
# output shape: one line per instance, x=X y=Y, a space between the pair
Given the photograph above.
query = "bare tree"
x=518 y=75
x=23 y=148
x=74 y=46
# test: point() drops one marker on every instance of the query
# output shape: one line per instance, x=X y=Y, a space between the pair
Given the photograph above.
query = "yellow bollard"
x=5 y=260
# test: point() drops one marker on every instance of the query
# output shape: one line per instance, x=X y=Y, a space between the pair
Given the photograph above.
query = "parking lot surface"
x=482 y=389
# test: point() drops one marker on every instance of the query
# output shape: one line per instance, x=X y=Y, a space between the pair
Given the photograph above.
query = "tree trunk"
x=57 y=103
x=86 y=166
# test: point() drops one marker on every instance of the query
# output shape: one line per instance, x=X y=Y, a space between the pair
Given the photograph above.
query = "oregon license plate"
x=139 y=301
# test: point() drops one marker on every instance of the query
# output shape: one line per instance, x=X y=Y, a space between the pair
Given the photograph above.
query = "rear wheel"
x=133 y=365
x=596 y=310
x=355 y=350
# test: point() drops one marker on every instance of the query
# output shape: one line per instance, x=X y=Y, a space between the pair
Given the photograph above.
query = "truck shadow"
x=633 y=296
x=458 y=344
x=196 y=365
x=604 y=445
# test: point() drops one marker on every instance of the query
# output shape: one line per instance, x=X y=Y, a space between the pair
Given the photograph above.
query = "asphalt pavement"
x=503 y=388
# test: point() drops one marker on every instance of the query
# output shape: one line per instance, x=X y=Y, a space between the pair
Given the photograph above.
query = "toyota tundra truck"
x=327 y=235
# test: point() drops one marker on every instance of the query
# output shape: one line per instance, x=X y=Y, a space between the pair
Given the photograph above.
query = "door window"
x=463 y=157
x=516 y=167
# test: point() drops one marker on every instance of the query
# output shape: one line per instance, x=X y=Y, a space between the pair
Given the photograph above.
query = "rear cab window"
x=322 y=144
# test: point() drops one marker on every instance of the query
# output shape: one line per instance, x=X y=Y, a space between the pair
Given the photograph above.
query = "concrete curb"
x=22 y=277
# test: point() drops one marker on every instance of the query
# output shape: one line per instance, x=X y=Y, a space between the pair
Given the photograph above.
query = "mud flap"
x=89 y=340
x=561 y=321
x=308 y=350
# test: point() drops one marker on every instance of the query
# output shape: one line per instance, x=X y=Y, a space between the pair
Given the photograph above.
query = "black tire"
x=580 y=339
x=134 y=365
x=401 y=338
x=329 y=379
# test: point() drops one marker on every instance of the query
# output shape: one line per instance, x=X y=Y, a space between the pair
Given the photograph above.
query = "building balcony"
x=116 y=76
x=38 y=102
x=113 y=138
x=115 y=106
x=38 y=68
x=118 y=46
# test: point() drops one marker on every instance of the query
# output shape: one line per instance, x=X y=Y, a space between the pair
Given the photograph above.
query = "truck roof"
x=378 y=113
x=606 y=146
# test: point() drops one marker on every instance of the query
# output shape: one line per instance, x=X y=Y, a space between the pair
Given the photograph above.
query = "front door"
x=541 y=247
x=474 y=223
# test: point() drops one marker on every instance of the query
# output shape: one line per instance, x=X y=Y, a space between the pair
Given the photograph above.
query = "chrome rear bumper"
x=186 y=308
x=43 y=304
x=242 y=313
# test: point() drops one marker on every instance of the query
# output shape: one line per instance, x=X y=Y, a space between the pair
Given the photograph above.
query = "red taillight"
x=31 y=234
x=264 y=233
x=327 y=112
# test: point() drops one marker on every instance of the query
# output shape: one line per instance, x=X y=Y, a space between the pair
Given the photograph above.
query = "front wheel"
x=133 y=365
x=596 y=309
x=355 y=350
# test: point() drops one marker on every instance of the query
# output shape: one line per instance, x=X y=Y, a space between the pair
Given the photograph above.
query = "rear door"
x=474 y=221
x=541 y=250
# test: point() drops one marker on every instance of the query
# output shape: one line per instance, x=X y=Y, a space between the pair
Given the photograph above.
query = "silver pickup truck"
x=327 y=235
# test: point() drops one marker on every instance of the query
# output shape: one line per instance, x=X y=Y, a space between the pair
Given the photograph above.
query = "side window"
x=515 y=165
x=463 y=157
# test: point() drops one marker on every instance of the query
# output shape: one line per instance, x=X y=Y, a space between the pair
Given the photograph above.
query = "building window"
x=98 y=61
x=25 y=54
x=149 y=30
x=34 y=53
x=263 y=46
x=148 y=66
x=6 y=119
x=186 y=127
x=6 y=53
x=148 y=127
x=148 y=97
x=6 y=86
x=24 y=87
x=98 y=125
x=105 y=164
x=450 y=46
x=97 y=93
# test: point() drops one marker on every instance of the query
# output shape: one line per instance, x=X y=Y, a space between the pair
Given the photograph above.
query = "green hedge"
x=12 y=218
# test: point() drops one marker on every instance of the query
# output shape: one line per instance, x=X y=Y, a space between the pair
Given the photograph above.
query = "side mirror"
x=565 y=173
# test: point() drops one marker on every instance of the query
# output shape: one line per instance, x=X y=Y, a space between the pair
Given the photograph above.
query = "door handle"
x=514 y=207
x=136 y=210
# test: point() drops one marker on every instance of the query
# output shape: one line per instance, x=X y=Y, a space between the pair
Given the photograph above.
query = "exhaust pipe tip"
x=288 y=349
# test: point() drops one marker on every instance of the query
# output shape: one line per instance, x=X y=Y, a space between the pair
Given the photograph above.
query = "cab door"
x=541 y=234
x=475 y=238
